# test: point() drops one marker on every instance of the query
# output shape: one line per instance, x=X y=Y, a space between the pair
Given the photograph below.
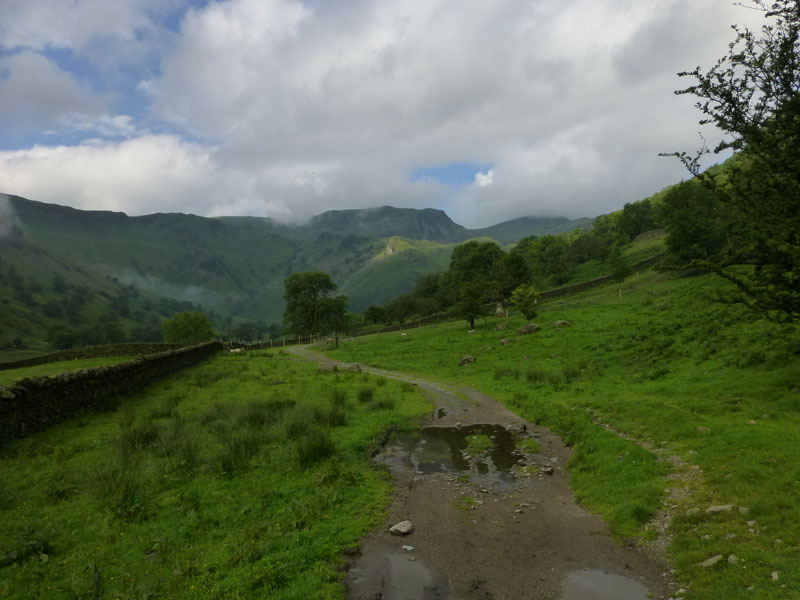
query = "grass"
x=671 y=371
x=215 y=483
x=7 y=378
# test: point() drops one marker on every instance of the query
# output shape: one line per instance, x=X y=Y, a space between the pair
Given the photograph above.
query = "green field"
x=244 y=477
x=680 y=375
x=11 y=375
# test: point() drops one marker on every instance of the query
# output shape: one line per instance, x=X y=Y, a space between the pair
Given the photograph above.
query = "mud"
x=500 y=524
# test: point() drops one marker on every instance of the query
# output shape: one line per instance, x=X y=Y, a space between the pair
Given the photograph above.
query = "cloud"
x=286 y=108
x=484 y=179
x=37 y=95
x=39 y=24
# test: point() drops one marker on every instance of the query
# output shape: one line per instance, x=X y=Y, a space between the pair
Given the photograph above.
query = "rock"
x=529 y=328
x=733 y=559
x=751 y=523
x=743 y=510
x=466 y=360
x=500 y=327
x=562 y=323
x=710 y=562
x=775 y=576
x=693 y=512
x=473 y=331
x=703 y=430
x=408 y=548
x=402 y=528
x=504 y=341
x=712 y=510
x=547 y=470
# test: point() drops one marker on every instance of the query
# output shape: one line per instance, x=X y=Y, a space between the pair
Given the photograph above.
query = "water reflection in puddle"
x=397 y=574
x=594 y=584
x=445 y=450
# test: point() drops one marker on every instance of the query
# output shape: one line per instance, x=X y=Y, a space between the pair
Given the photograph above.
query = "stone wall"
x=32 y=405
x=90 y=352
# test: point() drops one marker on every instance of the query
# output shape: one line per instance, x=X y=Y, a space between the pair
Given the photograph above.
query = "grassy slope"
x=244 y=477
x=55 y=368
x=664 y=365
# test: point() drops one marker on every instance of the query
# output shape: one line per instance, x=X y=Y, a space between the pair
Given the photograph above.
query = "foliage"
x=752 y=95
x=188 y=328
x=620 y=267
x=526 y=298
x=309 y=307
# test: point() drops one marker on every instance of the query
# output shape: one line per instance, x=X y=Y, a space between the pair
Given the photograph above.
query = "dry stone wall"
x=90 y=352
x=32 y=405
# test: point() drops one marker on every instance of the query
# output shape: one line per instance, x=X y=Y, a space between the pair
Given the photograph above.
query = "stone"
x=527 y=329
x=710 y=562
x=402 y=528
x=743 y=510
x=693 y=512
x=505 y=341
x=775 y=576
x=473 y=331
x=547 y=470
x=703 y=430
x=562 y=323
x=712 y=510
x=500 y=327
x=733 y=559
x=466 y=360
x=408 y=548
x=751 y=523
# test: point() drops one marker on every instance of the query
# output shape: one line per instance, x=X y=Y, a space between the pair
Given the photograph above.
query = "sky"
x=288 y=108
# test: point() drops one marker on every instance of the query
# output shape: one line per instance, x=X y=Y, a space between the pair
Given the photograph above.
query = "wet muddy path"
x=493 y=516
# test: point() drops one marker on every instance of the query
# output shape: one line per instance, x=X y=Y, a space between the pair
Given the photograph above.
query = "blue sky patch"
x=451 y=175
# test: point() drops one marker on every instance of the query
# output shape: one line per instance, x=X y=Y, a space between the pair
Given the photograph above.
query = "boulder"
x=466 y=360
x=529 y=328
x=402 y=528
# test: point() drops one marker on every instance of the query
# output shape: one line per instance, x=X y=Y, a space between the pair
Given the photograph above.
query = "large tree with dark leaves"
x=752 y=95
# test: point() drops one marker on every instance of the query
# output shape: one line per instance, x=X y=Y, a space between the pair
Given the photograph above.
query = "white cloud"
x=39 y=24
x=305 y=106
x=484 y=179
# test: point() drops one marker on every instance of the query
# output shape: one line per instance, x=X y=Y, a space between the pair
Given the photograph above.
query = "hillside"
x=682 y=414
x=234 y=266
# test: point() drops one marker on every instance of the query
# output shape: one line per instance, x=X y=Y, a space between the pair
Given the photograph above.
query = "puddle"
x=594 y=584
x=390 y=573
x=444 y=450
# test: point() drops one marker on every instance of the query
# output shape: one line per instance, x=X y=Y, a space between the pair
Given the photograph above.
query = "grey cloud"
x=37 y=95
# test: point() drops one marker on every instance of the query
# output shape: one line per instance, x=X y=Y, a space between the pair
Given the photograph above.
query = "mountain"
x=234 y=266
x=387 y=221
x=510 y=232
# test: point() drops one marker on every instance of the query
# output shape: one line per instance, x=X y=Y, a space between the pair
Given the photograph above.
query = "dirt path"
x=497 y=525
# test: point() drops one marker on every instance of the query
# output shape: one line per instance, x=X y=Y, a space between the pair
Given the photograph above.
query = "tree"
x=188 y=328
x=752 y=95
x=620 y=266
x=309 y=307
x=526 y=298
